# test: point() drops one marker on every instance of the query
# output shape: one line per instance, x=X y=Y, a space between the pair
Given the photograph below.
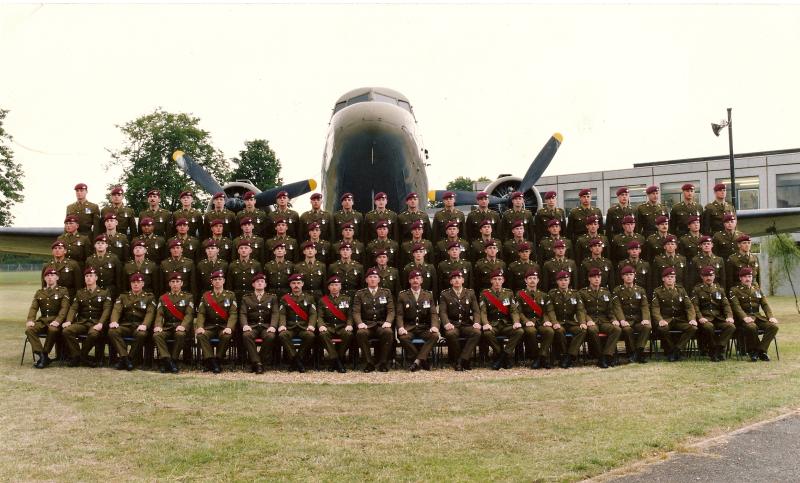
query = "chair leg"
x=24 y=346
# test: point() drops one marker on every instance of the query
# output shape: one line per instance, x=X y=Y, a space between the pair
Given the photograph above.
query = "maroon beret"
x=595 y=272
x=316 y=196
x=559 y=244
x=281 y=194
x=448 y=194
x=154 y=192
x=50 y=271
x=279 y=221
x=345 y=246
x=728 y=217
x=381 y=224
x=101 y=238
x=523 y=247
x=595 y=242
x=175 y=243
x=295 y=277
x=89 y=270
x=417 y=247
x=136 y=277
x=553 y=222
x=706 y=239
x=532 y=273
x=661 y=219
x=175 y=276
x=451 y=224
x=417 y=225
x=70 y=219
x=411 y=195
x=484 y=223
x=217 y=274
x=456 y=273
x=669 y=239
x=346 y=225
x=216 y=221
x=309 y=244
x=249 y=195
x=380 y=195
x=591 y=219
x=692 y=219
x=313 y=226
x=345 y=196
x=110 y=216
x=743 y=238
x=516 y=194
x=185 y=193
x=258 y=276
x=482 y=195
x=117 y=190
x=688 y=187
x=219 y=194
x=745 y=271
x=667 y=271
x=81 y=186
x=181 y=221
x=707 y=271
x=496 y=273
x=414 y=273
x=245 y=220
x=454 y=244
x=146 y=221
x=549 y=194
x=372 y=271
x=628 y=219
x=209 y=243
x=633 y=245
x=627 y=269
x=652 y=189
x=243 y=243
x=58 y=243
x=334 y=279
x=584 y=192
x=622 y=191
x=720 y=187
x=138 y=243
x=381 y=253
x=562 y=274
x=489 y=243
x=517 y=223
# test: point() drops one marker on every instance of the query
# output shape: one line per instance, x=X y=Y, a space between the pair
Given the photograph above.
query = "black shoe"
x=763 y=356
x=537 y=363
x=753 y=357
x=497 y=364
x=640 y=358
x=564 y=363
x=120 y=365
x=383 y=368
x=602 y=362
x=508 y=363
x=298 y=364
x=163 y=365
x=546 y=362
x=39 y=361
x=458 y=367
x=85 y=361
x=128 y=364
x=369 y=368
x=425 y=365
x=173 y=368
x=671 y=357
x=467 y=364
x=74 y=362
x=340 y=367
x=259 y=368
x=217 y=367
x=414 y=367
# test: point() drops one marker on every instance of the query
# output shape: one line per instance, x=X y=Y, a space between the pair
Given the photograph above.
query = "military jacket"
x=689 y=246
x=376 y=245
x=738 y=261
x=483 y=271
x=258 y=245
x=208 y=317
x=642 y=276
x=653 y=247
x=149 y=271
x=553 y=266
x=185 y=267
x=256 y=312
x=240 y=275
x=407 y=256
x=204 y=270
x=390 y=279
x=545 y=214
x=526 y=312
x=326 y=317
x=69 y=274
x=576 y=221
x=746 y=301
x=476 y=249
x=278 y=276
x=701 y=261
x=407 y=218
x=109 y=272
x=314 y=276
x=619 y=245
x=195 y=220
x=260 y=220
x=292 y=222
x=441 y=249
x=192 y=249
x=351 y=273
x=445 y=267
x=565 y=308
x=292 y=249
x=516 y=273
x=631 y=304
x=119 y=246
x=511 y=250
x=78 y=246
x=646 y=215
x=442 y=218
x=598 y=304
x=582 y=251
x=92 y=307
x=355 y=217
x=228 y=219
x=711 y=302
x=357 y=251
x=458 y=309
x=184 y=302
x=678 y=262
x=126 y=219
x=672 y=303
x=88 y=214
x=324 y=253
x=226 y=248
x=155 y=246
x=490 y=314
x=132 y=310
x=323 y=218
x=373 y=310
x=614 y=217
x=680 y=214
x=546 y=252
x=162 y=221
x=608 y=278
x=289 y=318
x=430 y=278
x=53 y=303
x=509 y=217
x=472 y=225
x=713 y=214
x=419 y=312
x=373 y=217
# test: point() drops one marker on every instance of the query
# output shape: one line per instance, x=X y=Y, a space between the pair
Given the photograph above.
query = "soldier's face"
x=457 y=281
x=694 y=226
x=586 y=200
x=628 y=278
x=279 y=252
x=296 y=286
x=688 y=195
x=90 y=279
x=596 y=249
x=283 y=201
x=623 y=198
x=382 y=232
x=594 y=281
x=51 y=279
x=454 y=252
x=663 y=227
x=182 y=228
x=111 y=224
x=730 y=225
x=147 y=229
x=497 y=282
x=518 y=203
x=524 y=255
x=532 y=281
x=708 y=279
x=347 y=233
x=415 y=282
x=247 y=228
x=212 y=252
x=281 y=228
x=652 y=197
x=747 y=280
x=260 y=284
x=486 y=230
x=217 y=282
x=491 y=251
x=707 y=247
x=100 y=247
x=419 y=256
x=250 y=203
x=670 y=247
x=720 y=194
x=139 y=251
x=245 y=251
x=314 y=234
x=80 y=194
x=316 y=203
x=629 y=227
x=137 y=286
x=186 y=202
x=310 y=252
x=449 y=202
x=116 y=198
x=345 y=253
x=634 y=252
x=412 y=203
x=745 y=246
x=59 y=251
x=175 y=284
x=153 y=200
x=563 y=283
x=373 y=280
x=518 y=231
x=554 y=230
x=176 y=251
x=483 y=203
x=416 y=233
x=669 y=280
x=550 y=202
x=218 y=203
x=381 y=260
x=381 y=203
x=560 y=251
x=347 y=203
x=70 y=227
x=452 y=232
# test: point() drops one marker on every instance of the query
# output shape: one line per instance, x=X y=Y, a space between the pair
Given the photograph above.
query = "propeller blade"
x=196 y=172
x=298 y=188
x=462 y=197
x=541 y=162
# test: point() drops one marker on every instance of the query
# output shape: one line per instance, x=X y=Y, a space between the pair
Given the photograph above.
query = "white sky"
x=489 y=84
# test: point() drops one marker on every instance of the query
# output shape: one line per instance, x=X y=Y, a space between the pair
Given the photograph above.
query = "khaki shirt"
x=373 y=310
x=565 y=308
x=257 y=312
x=126 y=220
x=672 y=303
x=208 y=317
x=149 y=272
x=132 y=310
x=184 y=302
x=711 y=302
x=93 y=307
x=53 y=303
x=631 y=304
x=88 y=214
x=490 y=314
x=746 y=302
x=419 y=312
x=526 y=312
x=162 y=221
x=326 y=317
x=458 y=309
x=69 y=274
x=598 y=304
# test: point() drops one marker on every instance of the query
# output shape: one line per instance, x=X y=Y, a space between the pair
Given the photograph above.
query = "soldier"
x=451 y=231
x=600 y=317
x=178 y=263
x=417 y=318
x=406 y=250
x=323 y=247
x=725 y=243
x=350 y=272
x=682 y=211
x=373 y=313
x=117 y=242
x=518 y=271
x=532 y=303
x=125 y=216
x=511 y=246
x=53 y=302
x=381 y=214
x=256 y=242
x=383 y=244
x=335 y=320
x=714 y=212
x=258 y=316
x=670 y=258
x=108 y=267
x=647 y=212
x=390 y=276
x=746 y=299
x=191 y=245
x=313 y=271
x=132 y=316
x=212 y=263
x=641 y=268
x=160 y=218
x=87 y=213
x=219 y=212
x=548 y=212
x=348 y=215
x=706 y=258
x=412 y=217
x=77 y=246
x=655 y=242
x=316 y=214
x=446 y=216
x=485 y=234
x=174 y=315
x=288 y=215
x=216 y=318
x=632 y=310
x=568 y=316
x=517 y=212
x=154 y=243
x=742 y=259
x=598 y=261
x=576 y=221
x=475 y=219
x=192 y=216
x=224 y=244
x=143 y=266
x=582 y=249
x=459 y=314
x=617 y=213
x=454 y=262
x=87 y=315
x=559 y=263
x=69 y=273
x=689 y=244
x=547 y=243
x=500 y=317
x=348 y=237
x=713 y=313
x=619 y=244
x=259 y=216
x=281 y=236
x=486 y=266
x=674 y=311
x=430 y=279
x=240 y=271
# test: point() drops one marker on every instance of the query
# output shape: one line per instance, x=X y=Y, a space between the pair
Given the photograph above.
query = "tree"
x=10 y=176
x=258 y=163
x=146 y=158
x=460 y=184
x=784 y=253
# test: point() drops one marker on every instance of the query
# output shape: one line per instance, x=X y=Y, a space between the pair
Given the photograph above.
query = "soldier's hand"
x=322 y=329
x=556 y=326
x=54 y=324
x=271 y=329
x=662 y=323
x=615 y=323
x=645 y=322
x=281 y=328
x=749 y=320
x=773 y=320
x=703 y=320
x=583 y=326
x=435 y=330
x=362 y=325
x=180 y=328
x=348 y=328
x=402 y=331
x=589 y=323
x=693 y=322
x=246 y=328
x=449 y=326
x=487 y=327
x=113 y=325
x=624 y=323
x=157 y=329
x=29 y=323
x=476 y=326
x=199 y=331
x=227 y=330
x=141 y=328
x=516 y=325
x=729 y=320
x=386 y=325
x=98 y=327
x=529 y=324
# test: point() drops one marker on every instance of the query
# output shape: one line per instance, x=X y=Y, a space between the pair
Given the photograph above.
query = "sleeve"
x=313 y=319
x=400 y=312
x=736 y=307
x=442 y=309
x=766 y=307
x=726 y=306
x=655 y=309
x=77 y=277
x=645 y=307
x=116 y=311
x=484 y=316
x=356 y=310
x=275 y=315
x=34 y=307
x=581 y=312
x=159 y=320
x=390 y=308
x=73 y=309
x=616 y=306
x=233 y=314
x=243 y=313
x=434 y=313
x=689 y=306
x=106 y=309
x=149 y=314
x=62 y=311
x=200 y=318
x=189 y=316
x=514 y=308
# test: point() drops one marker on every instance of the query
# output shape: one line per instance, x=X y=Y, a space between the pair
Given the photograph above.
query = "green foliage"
x=146 y=158
x=10 y=176
x=784 y=253
x=461 y=183
x=258 y=163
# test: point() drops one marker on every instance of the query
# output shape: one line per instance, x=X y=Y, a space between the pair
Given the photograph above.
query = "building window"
x=746 y=188
x=572 y=200
x=788 y=190
x=637 y=194
x=672 y=194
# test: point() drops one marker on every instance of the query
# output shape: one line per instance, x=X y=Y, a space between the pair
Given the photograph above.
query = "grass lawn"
x=98 y=424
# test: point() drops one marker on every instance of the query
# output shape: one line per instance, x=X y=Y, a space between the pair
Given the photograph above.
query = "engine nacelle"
x=505 y=185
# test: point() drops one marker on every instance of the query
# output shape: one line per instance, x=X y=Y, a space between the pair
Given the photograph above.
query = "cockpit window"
x=383 y=98
x=357 y=99
x=405 y=105
x=339 y=106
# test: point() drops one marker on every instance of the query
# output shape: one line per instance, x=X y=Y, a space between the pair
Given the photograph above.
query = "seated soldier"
x=633 y=312
x=500 y=317
x=532 y=303
x=258 y=316
x=417 y=318
x=746 y=300
x=713 y=313
x=600 y=318
x=216 y=318
x=132 y=316
x=566 y=312
x=53 y=303
x=335 y=320
x=373 y=314
x=673 y=309
x=297 y=317
x=174 y=315
x=459 y=315
x=87 y=315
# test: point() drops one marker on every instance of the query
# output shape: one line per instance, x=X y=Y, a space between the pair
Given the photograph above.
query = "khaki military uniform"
x=88 y=213
x=213 y=323
x=162 y=221
x=502 y=323
x=631 y=305
x=619 y=245
x=314 y=276
x=53 y=303
x=119 y=246
x=509 y=217
x=229 y=226
x=109 y=272
x=472 y=224
x=476 y=249
x=226 y=248
x=430 y=279
x=483 y=271
x=204 y=270
x=442 y=218
x=653 y=247
x=546 y=253
x=259 y=314
x=292 y=223
x=149 y=272
x=407 y=254
x=725 y=244
x=372 y=218
x=351 y=274
x=373 y=310
x=566 y=309
x=260 y=221
x=642 y=276
x=355 y=217
x=377 y=245
x=258 y=246
x=296 y=324
x=511 y=249
x=711 y=303
x=130 y=311
x=69 y=274
x=608 y=278
x=78 y=247
x=194 y=218
x=535 y=313
x=678 y=262
x=357 y=251
x=169 y=322
x=599 y=307
x=407 y=218
x=553 y=266
x=576 y=221
x=582 y=251
x=126 y=220
x=680 y=214
x=461 y=310
x=441 y=249
x=324 y=252
x=749 y=302
x=155 y=246
x=88 y=308
x=516 y=274
x=292 y=248
x=701 y=261
x=545 y=214
x=689 y=246
x=390 y=279
x=614 y=217
x=239 y=277
x=646 y=215
x=417 y=315
x=322 y=217
x=336 y=327
x=738 y=261
x=674 y=306
x=192 y=249
x=713 y=213
x=185 y=267
x=446 y=266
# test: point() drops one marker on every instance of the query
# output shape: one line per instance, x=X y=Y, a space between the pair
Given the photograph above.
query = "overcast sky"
x=489 y=84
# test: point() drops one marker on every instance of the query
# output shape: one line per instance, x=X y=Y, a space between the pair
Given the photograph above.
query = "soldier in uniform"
x=69 y=273
x=546 y=243
x=87 y=213
x=192 y=216
x=619 y=244
x=350 y=272
x=348 y=237
x=259 y=216
x=219 y=212
x=412 y=217
x=511 y=246
x=548 y=212
x=632 y=310
x=598 y=261
x=160 y=218
x=216 y=318
x=647 y=212
x=189 y=244
x=517 y=212
x=407 y=248
x=178 y=263
x=174 y=315
x=241 y=271
x=576 y=221
x=743 y=258
x=641 y=268
x=380 y=214
x=706 y=258
x=600 y=318
x=256 y=242
x=322 y=247
x=258 y=316
x=87 y=315
x=715 y=211
x=454 y=262
x=655 y=242
x=417 y=317
x=53 y=303
x=373 y=314
x=682 y=211
x=224 y=244
x=532 y=303
x=725 y=243
x=288 y=215
x=125 y=216
x=281 y=236
x=617 y=213
x=486 y=266
x=582 y=249
x=485 y=234
x=108 y=267
x=132 y=316
x=348 y=215
x=117 y=242
x=517 y=270
x=459 y=315
x=713 y=313
x=747 y=302
x=430 y=279
x=143 y=266
x=383 y=244
x=451 y=231
x=671 y=259
x=390 y=276
x=77 y=246
x=313 y=271
x=316 y=214
x=335 y=320
x=446 y=216
x=673 y=310
x=475 y=219
x=689 y=244
x=212 y=263
x=500 y=317
x=568 y=316
x=559 y=263
x=154 y=243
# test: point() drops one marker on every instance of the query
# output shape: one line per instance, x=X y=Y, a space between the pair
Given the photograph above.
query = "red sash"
x=496 y=302
x=222 y=313
x=296 y=308
x=171 y=307
x=531 y=303
x=334 y=309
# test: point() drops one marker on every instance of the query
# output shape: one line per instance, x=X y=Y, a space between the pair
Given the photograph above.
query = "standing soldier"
x=706 y=258
x=559 y=263
x=674 y=311
x=125 y=215
x=174 y=314
x=259 y=216
x=53 y=303
x=117 y=242
x=373 y=313
x=407 y=248
x=412 y=217
x=743 y=258
x=288 y=215
x=316 y=214
x=619 y=244
x=451 y=231
x=380 y=214
x=517 y=212
x=258 y=316
x=335 y=320
x=682 y=211
x=219 y=212
x=647 y=212
x=641 y=268
x=212 y=263
x=670 y=259
x=582 y=249
x=132 y=316
x=278 y=270
x=746 y=300
x=323 y=247
x=160 y=218
x=576 y=221
x=713 y=313
x=725 y=243
x=632 y=310
x=178 y=263
x=417 y=318
x=216 y=318
x=190 y=244
x=77 y=246
x=192 y=216
x=500 y=317
x=256 y=242
x=144 y=267
x=459 y=315
x=547 y=243
x=430 y=279
x=475 y=219
x=714 y=212
x=87 y=316
x=108 y=267
x=485 y=235
x=617 y=213
x=568 y=316
x=224 y=244
x=241 y=271
x=350 y=272
x=447 y=215
x=546 y=213
x=454 y=262
x=597 y=261
x=348 y=215
x=87 y=213
x=689 y=244
x=281 y=236
x=486 y=266
x=154 y=243
x=655 y=242
x=69 y=273
x=599 y=306
x=518 y=270
x=511 y=246
x=532 y=303
x=390 y=276
x=383 y=244
x=313 y=271
x=348 y=237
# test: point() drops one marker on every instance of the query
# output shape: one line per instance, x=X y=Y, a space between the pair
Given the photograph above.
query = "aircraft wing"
x=768 y=221
x=28 y=241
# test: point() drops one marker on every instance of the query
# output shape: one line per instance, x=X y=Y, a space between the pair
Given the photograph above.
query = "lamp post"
x=717 y=128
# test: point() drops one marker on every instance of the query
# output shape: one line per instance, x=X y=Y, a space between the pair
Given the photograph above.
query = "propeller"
x=298 y=188
x=541 y=162
x=196 y=172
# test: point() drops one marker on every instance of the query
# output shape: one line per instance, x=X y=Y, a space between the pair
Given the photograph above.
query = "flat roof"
x=718 y=158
